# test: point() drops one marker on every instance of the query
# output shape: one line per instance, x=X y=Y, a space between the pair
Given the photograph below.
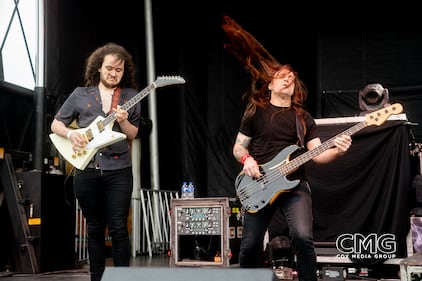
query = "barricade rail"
x=149 y=224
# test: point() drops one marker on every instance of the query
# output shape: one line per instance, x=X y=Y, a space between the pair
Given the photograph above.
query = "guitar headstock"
x=378 y=117
x=168 y=80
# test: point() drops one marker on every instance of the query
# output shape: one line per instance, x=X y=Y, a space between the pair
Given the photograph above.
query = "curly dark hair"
x=95 y=60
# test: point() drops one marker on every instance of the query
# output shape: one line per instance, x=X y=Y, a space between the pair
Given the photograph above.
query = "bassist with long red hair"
x=273 y=120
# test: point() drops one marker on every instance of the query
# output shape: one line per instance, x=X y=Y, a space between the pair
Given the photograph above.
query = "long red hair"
x=261 y=65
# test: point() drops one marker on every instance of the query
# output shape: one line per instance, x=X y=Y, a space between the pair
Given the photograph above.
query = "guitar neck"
x=305 y=157
x=129 y=104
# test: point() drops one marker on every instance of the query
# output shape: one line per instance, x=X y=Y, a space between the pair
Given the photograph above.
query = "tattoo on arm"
x=241 y=145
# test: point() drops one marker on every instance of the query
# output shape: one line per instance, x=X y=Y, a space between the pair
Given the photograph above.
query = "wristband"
x=68 y=134
x=244 y=157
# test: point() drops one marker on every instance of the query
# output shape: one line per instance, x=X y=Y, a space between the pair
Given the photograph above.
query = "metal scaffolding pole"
x=151 y=99
x=136 y=197
x=39 y=92
x=151 y=75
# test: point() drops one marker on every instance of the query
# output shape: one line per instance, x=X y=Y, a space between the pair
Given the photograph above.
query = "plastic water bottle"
x=191 y=190
x=184 y=190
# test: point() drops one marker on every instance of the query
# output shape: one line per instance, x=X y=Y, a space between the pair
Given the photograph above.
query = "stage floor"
x=82 y=274
x=161 y=261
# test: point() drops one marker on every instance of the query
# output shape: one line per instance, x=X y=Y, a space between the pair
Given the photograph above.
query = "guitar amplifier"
x=200 y=232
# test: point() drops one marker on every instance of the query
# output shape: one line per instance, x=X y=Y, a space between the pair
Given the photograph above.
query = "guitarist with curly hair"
x=103 y=186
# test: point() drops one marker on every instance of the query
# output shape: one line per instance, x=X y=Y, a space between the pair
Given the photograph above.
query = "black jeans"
x=296 y=206
x=105 y=198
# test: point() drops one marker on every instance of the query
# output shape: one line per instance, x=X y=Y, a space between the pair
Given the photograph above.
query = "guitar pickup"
x=262 y=180
x=100 y=126
x=89 y=135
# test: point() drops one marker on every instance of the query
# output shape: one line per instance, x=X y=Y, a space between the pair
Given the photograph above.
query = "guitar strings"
x=257 y=185
x=378 y=116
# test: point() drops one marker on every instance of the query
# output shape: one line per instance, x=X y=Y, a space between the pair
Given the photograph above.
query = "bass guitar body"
x=256 y=193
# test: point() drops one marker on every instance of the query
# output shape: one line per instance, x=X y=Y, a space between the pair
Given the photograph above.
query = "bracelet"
x=69 y=133
x=244 y=157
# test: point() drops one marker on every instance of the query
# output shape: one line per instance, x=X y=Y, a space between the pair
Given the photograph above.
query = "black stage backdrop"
x=367 y=190
x=197 y=122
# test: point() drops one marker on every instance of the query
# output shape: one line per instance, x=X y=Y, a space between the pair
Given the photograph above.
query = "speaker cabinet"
x=188 y=274
x=51 y=218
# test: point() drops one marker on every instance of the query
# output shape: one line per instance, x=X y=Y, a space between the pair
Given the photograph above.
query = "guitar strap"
x=115 y=99
x=300 y=129
x=115 y=102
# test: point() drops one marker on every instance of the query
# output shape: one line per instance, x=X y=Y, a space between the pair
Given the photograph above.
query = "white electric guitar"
x=99 y=133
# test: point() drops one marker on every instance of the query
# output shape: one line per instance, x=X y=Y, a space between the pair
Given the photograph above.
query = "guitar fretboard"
x=130 y=103
x=295 y=163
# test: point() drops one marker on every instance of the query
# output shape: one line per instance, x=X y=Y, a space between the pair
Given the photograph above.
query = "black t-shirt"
x=272 y=129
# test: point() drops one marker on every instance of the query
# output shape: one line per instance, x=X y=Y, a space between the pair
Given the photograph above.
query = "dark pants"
x=296 y=206
x=105 y=198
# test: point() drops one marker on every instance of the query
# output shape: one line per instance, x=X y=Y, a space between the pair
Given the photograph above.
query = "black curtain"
x=368 y=190
x=198 y=121
x=354 y=55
